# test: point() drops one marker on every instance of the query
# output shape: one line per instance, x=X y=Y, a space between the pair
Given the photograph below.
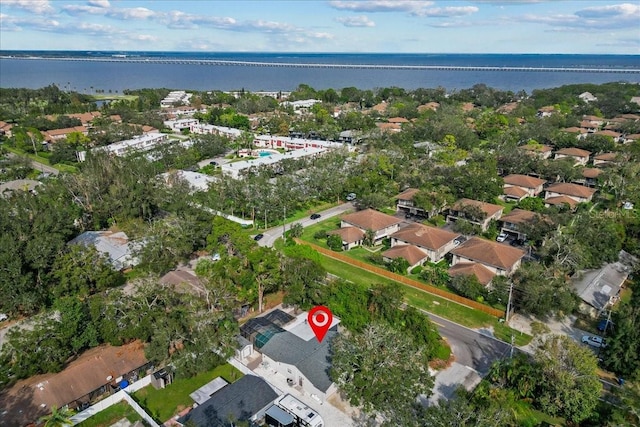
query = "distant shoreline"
x=217 y=62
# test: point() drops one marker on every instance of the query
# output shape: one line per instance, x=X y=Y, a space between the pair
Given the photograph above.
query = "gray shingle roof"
x=311 y=357
x=238 y=401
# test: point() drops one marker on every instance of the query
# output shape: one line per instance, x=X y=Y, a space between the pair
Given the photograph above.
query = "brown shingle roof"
x=524 y=181
x=427 y=237
x=514 y=191
x=591 y=172
x=488 y=208
x=561 y=200
x=607 y=157
x=349 y=234
x=398 y=120
x=411 y=253
x=574 y=129
x=539 y=148
x=84 y=375
x=571 y=189
x=609 y=133
x=518 y=216
x=575 y=152
x=408 y=194
x=489 y=253
x=370 y=219
x=482 y=273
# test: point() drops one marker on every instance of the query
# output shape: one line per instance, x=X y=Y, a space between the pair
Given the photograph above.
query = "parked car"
x=213 y=163
x=502 y=237
x=518 y=242
x=315 y=216
x=594 y=341
x=3 y=317
x=215 y=257
x=351 y=196
x=605 y=324
x=258 y=237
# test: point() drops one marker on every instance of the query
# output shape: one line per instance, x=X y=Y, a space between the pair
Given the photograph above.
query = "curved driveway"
x=272 y=234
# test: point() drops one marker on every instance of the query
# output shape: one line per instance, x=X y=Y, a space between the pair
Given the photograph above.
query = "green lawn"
x=165 y=403
x=111 y=415
x=113 y=96
x=43 y=160
x=432 y=303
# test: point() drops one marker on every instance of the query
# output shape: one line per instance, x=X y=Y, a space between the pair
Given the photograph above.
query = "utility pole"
x=284 y=226
x=511 y=352
x=506 y=317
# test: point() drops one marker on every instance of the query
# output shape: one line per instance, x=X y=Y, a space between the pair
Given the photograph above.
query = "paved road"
x=39 y=166
x=471 y=348
x=271 y=235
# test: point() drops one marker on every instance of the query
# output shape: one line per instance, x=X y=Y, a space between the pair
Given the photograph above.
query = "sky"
x=390 y=26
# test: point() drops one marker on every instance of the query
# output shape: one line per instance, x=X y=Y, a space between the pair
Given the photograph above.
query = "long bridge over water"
x=219 y=62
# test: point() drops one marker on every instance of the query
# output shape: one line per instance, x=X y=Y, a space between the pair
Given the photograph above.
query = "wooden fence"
x=405 y=280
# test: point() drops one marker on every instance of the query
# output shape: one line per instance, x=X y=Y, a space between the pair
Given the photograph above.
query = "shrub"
x=416 y=270
x=334 y=242
x=319 y=235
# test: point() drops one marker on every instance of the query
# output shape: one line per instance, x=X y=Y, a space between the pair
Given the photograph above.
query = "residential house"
x=598 y=289
x=244 y=401
x=578 y=193
x=587 y=97
x=531 y=185
x=581 y=157
x=398 y=120
x=590 y=127
x=5 y=129
x=138 y=143
x=590 y=177
x=381 y=224
x=181 y=125
x=351 y=237
x=498 y=258
x=581 y=133
x=466 y=209
x=604 y=159
x=628 y=139
x=389 y=127
x=414 y=255
x=289 y=347
x=197 y=181
x=595 y=120
x=175 y=98
x=58 y=134
x=482 y=273
x=115 y=245
x=405 y=203
x=435 y=242
x=546 y=111
x=429 y=106
x=617 y=136
x=512 y=222
x=94 y=374
x=540 y=150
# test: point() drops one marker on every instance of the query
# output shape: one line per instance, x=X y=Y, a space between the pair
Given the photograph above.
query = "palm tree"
x=59 y=417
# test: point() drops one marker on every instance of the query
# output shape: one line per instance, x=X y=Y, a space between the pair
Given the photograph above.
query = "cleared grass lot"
x=164 y=403
x=432 y=303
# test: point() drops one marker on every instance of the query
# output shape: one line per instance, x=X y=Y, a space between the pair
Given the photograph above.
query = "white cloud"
x=39 y=7
x=410 y=6
x=143 y=37
x=139 y=13
x=269 y=26
x=609 y=17
x=624 y=10
x=99 y=3
x=356 y=21
x=445 y=12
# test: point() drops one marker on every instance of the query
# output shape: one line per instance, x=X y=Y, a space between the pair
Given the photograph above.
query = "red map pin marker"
x=320 y=319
